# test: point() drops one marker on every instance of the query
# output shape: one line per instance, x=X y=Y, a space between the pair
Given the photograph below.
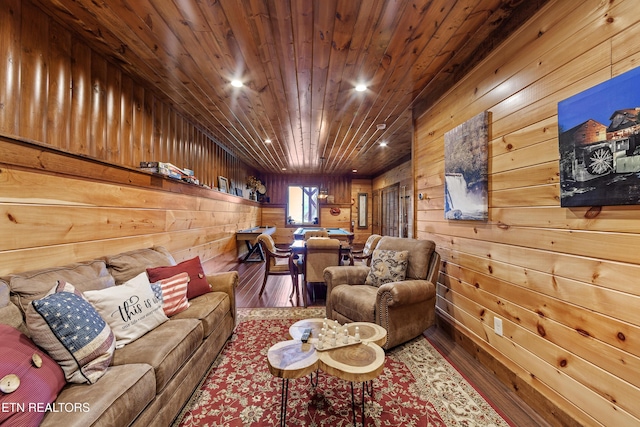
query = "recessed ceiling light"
x=354 y=170
x=267 y=141
x=284 y=169
x=236 y=83
x=361 y=88
x=383 y=144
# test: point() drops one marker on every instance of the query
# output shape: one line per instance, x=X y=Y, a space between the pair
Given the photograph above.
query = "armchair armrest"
x=342 y=275
x=225 y=282
x=345 y=275
x=406 y=292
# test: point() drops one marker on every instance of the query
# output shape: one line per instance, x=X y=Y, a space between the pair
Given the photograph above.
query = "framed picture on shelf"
x=238 y=191
x=223 y=184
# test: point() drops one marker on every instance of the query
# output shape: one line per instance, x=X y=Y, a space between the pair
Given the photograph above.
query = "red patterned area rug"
x=417 y=387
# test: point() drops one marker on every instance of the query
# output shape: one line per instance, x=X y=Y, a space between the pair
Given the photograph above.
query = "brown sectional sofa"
x=150 y=379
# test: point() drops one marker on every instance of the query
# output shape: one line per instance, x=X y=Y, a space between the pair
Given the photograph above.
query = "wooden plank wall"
x=56 y=92
x=564 y=281
x=58 y=211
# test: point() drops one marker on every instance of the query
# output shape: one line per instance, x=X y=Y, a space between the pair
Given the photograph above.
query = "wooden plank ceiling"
x=299 y=61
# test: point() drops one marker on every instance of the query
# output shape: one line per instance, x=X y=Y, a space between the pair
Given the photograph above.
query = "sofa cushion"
x=11 y=315
x=198 y=284
x=166 y=348
x=387 y=266
x=127 y=265
x=116 y=400
x=30 y=285
x=67 y=327
x=174 y=293
x=38 y=385
x=355 y=302
x=130 y=309
x=209 y=308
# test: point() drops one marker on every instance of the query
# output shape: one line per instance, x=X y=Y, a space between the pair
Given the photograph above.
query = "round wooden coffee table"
x=360 y=361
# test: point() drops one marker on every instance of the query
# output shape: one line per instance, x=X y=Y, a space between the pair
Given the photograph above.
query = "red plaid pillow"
x=174 y=294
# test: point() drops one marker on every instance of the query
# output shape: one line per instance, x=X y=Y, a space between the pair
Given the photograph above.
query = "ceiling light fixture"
x=361 y=88
x=354 y=170
x=267 y=141
x=236 y=83
x=383 y=144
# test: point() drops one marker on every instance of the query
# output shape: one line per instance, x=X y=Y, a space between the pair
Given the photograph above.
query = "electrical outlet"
x=497 y=325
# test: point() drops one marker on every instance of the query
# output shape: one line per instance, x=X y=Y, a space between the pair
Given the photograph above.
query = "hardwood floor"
x=278 y=290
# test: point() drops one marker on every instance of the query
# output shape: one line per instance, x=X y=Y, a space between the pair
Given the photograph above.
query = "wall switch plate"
x=497 y=325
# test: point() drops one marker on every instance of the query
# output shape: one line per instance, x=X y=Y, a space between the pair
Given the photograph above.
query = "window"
x=302 y=205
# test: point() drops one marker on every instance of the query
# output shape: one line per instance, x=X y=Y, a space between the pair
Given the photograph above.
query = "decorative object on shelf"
x=256 y=186
x=223 y=183
x=334 y=211
x=253 y=183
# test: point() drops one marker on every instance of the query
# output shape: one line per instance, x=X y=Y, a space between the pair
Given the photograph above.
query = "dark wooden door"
x=390 y=211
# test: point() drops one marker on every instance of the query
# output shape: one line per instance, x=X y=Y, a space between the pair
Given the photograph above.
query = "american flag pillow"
x=174 y=293
x=65 y=325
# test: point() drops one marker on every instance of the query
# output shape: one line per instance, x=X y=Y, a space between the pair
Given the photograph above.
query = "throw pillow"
x=39 y=385
x=174 y=294
x=198 y=284
x=387 y=266
x=67 y=327
x=131 y=309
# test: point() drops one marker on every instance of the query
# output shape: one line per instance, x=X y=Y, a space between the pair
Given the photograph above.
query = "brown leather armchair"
x=405 y=308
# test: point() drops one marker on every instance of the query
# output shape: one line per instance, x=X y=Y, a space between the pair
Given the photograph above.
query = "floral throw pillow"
x=387 y=266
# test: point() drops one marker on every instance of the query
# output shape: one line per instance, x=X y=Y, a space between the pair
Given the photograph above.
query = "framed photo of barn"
x=599 y=144
x=465 y=169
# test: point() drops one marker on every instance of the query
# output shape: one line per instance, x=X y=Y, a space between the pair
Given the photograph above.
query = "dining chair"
x=321 y=252
x=315 y=233
x=363 y=256
x=277 y=263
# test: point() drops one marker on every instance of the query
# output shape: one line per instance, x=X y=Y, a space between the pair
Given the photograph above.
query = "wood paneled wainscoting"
x=58 y=208
x=564 y=281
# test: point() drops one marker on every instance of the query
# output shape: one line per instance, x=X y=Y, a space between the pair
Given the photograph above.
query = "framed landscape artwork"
x=465 y=170
x=599 y=143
